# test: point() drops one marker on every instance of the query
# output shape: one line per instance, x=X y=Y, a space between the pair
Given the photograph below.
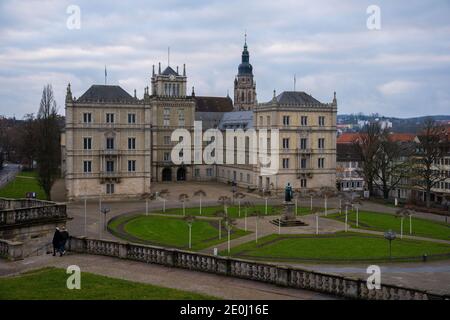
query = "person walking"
x=56 y=241
x=64 y=237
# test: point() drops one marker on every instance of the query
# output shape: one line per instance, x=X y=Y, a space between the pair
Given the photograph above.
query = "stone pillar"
x=123 y=250
x=283 y=276
x=170 y=258
x=15 y=251
x=223 y=265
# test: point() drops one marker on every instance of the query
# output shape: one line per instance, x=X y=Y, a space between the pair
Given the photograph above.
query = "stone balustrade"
x=11 y=250
x=26 y=210
x=337 y=285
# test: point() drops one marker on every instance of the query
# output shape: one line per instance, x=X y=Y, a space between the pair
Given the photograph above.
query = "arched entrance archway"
x=167 y=174
x=181 y=174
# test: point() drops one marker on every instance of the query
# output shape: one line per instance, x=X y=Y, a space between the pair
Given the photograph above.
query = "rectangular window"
x=131 y=165
x=166 y=156
x=197 y=172
x=110 y=188
x=110 y=118
x=87 y=117
x=109 y=143
x=321 y=121
x=87 y=143
x=109 y=166
x=181 y=118
x=304 y=120
x=303 y=143
x=321 y=163
x=209 y=172
x=303 y=163
x=321 y=143
x=131 y=118
x=261 y=123
x=131 y=143
x=167 y=140
x=285 y=143
x=166 y=117
x=248 y=177
x=268 y=121
x=286 y=163
x=87 y=166
x=286 y=120
x=303 y=183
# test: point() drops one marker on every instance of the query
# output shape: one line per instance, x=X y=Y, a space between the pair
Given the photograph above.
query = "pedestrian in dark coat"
x=64 y=237
x=56 y=241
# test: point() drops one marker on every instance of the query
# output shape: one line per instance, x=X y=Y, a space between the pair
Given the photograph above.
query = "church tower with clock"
x=244 y=84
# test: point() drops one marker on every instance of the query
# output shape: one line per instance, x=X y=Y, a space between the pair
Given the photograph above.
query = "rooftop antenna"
x=106 y=74
x=295 y=82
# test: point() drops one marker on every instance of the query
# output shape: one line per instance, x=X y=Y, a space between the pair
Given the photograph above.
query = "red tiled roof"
x=402 y=137
x=348 y=137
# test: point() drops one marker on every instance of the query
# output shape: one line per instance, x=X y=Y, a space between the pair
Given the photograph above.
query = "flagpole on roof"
x=106 y=74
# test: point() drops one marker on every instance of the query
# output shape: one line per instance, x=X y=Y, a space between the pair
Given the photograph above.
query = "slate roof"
x=237 y=119
x=169 y=71
x=296 y=97
x=213 y=104
x=105 y=93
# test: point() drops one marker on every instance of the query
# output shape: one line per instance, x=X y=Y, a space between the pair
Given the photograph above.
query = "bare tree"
x=48 y=141
x=26 y=140
x=427 y=165
x=367 y=146
x=391 y=163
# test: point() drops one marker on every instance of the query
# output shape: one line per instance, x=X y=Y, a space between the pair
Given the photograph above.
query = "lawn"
x=50 y=284
x=23 y=183
x=341 y=247
x=383 y=221
x=172 y=231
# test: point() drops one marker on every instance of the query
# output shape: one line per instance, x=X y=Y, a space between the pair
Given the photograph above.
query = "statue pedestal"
x=288 y=218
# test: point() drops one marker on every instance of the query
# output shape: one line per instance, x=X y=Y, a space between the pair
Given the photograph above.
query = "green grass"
x=383 y=221
x=341 y=246
x=174 y=231
x=233 y=211
x=23 y=183
x=50 y=284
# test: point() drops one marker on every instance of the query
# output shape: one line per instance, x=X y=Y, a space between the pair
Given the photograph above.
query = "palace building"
x=117 y=145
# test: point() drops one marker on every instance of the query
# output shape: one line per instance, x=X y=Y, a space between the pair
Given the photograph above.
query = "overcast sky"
x=401 y=70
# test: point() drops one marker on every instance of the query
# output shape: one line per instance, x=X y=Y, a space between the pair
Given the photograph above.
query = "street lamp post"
x=105 y=210
x=390 y=236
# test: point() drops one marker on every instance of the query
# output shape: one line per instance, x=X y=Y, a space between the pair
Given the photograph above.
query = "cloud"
x=325 y=43
x=398 y=87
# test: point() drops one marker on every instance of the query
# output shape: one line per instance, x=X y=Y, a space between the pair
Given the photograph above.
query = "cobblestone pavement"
x=199 y=282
